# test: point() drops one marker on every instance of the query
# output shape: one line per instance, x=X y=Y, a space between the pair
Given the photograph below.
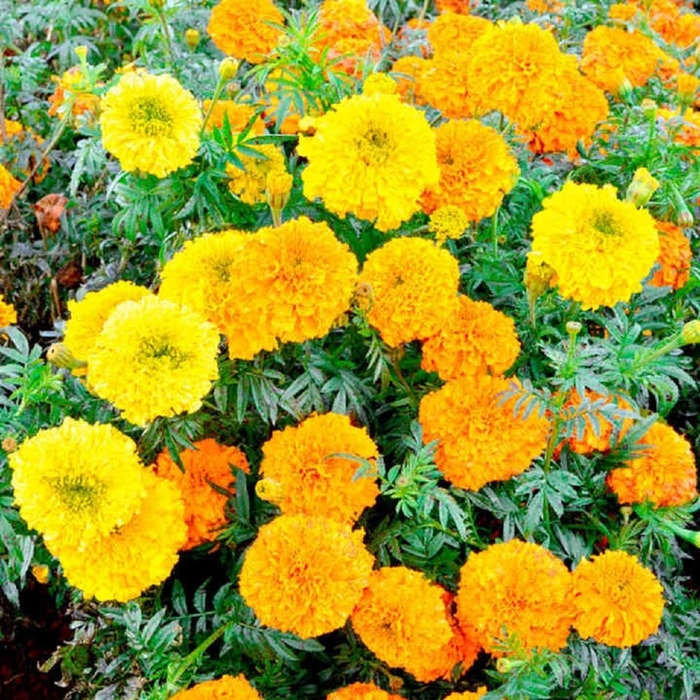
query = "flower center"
x=78 y=493
x=604 y=222
x=375 y=146
x=158 y=351
x=150 y=117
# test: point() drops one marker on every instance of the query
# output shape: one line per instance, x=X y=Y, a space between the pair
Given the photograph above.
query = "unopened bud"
x=538 y=275
x=625 y=89
x=60 y=356
x=573 y=328
x=642 y=187
x=228 y=68
x=649 y=108
x=269 y=490
x=156 y=4
x=506 y=665
x=9 y=444
x=40 y=572
x=691 y=332
x=81 y=52
x=192 y=38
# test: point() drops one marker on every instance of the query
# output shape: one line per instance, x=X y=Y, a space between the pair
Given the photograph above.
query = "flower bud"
x=649 y=108
x=228 y=68
x=9 y=444
x=642 y=187
x=278 y=185
x=538 y=275
x=192 y=38
x=40 y=572
x=81 y=52
x=60 y=356
x=269 y=490
x=691 y=332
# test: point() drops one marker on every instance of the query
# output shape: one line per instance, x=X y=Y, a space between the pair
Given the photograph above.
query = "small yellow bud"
x=9 y=444
x=506 y=665
x=573 y=328
x=684 y=218
x=538 y=275
x=192 y=38
x=156 y=4
x=60 y=356
x=625 y=88
x=228 y=68
x=691 y=332
x=649 y=108
x=642 y=187
x=363 y=298
x=269 y=490
x=40 y=572
x=81 y=52
x=278 y=185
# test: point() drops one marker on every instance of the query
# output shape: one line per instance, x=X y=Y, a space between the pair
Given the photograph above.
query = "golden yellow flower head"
x=617 y=601
x=77 y=482
x=413 y=286
x=150 y=123
x=305 y=575
x=8 y=314
x=642 y=187
x=209 y=464
x=371 y=156
x=600 y=247
x=362 y=691
x=313 y=479
x=250 y=183
x=154 y=358
x=9 y=186
x=224 y=688
x=141 y=553
x=480 y=438
x=519 y=588
x=448 y=221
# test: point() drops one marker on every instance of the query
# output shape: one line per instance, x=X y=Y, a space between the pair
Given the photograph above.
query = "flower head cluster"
x=304 y=464
x=664 y=475
x=475 y=339
x=674 y=259
x=617 y=601
x=8 y=314
x=476 y=169
x=361 y=691
x=224 y=688
x=205 y=467
x=150 y=123
x=154 y=358
x=480 y=437
x=9 y=186
x=519 y=588
x=305 y=575
x=371 y=156
x=249 y=182
x=245 y=29
x=414 y=288
x=600 y=247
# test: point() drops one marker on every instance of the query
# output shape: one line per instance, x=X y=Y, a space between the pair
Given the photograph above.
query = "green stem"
x=194 y=655
x=494 y=230
x=423 y=10
x=166 y=34
x=217 y=94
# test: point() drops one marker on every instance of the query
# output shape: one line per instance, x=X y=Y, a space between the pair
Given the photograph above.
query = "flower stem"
x=217 y=94
x=194 y=655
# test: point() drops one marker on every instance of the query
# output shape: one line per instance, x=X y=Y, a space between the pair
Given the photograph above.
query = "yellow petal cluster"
x=305 y=575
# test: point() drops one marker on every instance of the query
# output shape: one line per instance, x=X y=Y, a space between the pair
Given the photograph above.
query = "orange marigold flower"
x=9 y=186
x=71 y=85
x=476 y=169
x=545 y=6
x=407 y=72
x=443 y=83
x=475 y=339
x=401 y=617
x=244 y=28
x=208 y=464
x=305 y=575
x=612 y=55
x=469 y=695
x=463 y=7
x=224 y=688
x=455 y=33
x=311 y=478
x=239 y=116
x=519 y=588
x=675 y=257
x=361 y=691
x=8 y=314
x=479 y=437
x=664 y=475
x=617 y=601
x=414 y=285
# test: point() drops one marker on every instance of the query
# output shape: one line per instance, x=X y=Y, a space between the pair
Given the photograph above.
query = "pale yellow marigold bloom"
x=150 y=123
x=371 y=156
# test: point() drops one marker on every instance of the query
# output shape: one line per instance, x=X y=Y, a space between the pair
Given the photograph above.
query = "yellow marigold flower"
x=401 y=617
x=77 y=482
x=150 y=123
x=601 y=248
x=306 y=277
x=362 y=691
x=9 y=186
x=675 y=258
x=154 y=358
x=414 y=289
x=239 y=117
x=313 y=481
x=245 y=29
x=305 y=575
x=476 y=169
x=139 y=554
x=475 y=339
x=520 y=588
x=216 y=276
x=249 y=183
x=371 y=156
x=448 y=221
x=88 y=316
x=224 y=688
x=611 y=55
x=455 y=33
x=209 y=463
x=664 y=475
x=480 y=439
x=8 y=314
x=617 y=601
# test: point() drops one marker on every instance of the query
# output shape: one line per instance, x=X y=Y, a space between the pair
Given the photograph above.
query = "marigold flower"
x=463 y=7
x=8 y=314
x=675 y=258
x=371 y=156
x=150 y=123
x=469 y=695
x=313 y=480
x=71 y=85
x=361 y=691
x=305 y=575
x=9 y=187
x=601 y=248
x=448 y=222
x=407 y=71
x=139 y=554
x=520 y=588
x=224 y=688
x=480 y=438
x=664 y=475
x=77 y=482
x=414 y=286
x=88 y=316
x=239 y=116
x=455 y=33
x=476 y=169
x=248 y=183
x=401 y=617
x=617 y=601
x=245 y=29
x=208 y=464
x=154 y=358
